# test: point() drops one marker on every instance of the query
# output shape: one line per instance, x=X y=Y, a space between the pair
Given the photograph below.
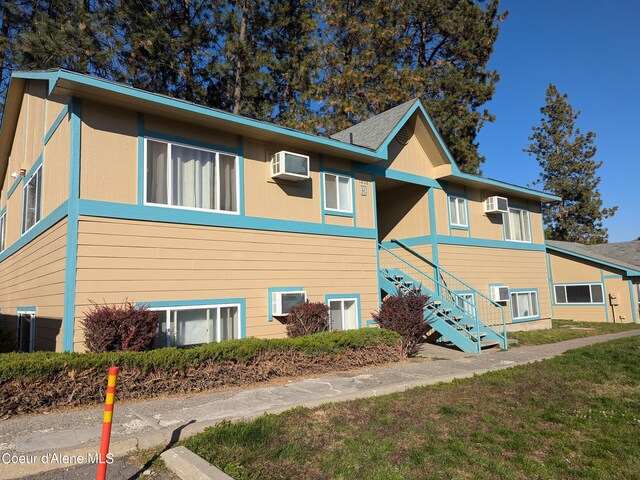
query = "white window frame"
x=587 y=284
x=510 y=230
x=218 y=333
x=38 y=206
x=457 y=200
x=470 y=299
x=3 y=231
x=515 y=302
x=342 y=300
x=170 y=177
x=324 y=189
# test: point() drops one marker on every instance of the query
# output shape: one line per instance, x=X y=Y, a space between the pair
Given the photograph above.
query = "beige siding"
x=338 y=220
x=567 y=269
x=480 y=266
x=109 y=155
x=621 y=313
x=55 y=171
x=442 y=212
x=34 y=276
x=286 y=200
x=365 y=212
x=145 y=261
x=482 y=225
x=403 y=212
x=580 y=313
x=55 y=105
x=176 y=128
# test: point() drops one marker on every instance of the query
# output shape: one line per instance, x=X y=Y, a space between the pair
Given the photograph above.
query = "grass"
x=576 y=416
x=567 y=330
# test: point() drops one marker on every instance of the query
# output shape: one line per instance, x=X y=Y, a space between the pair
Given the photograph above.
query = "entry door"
x=26 y=331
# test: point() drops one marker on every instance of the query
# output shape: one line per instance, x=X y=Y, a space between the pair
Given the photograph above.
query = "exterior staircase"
x=470 y=322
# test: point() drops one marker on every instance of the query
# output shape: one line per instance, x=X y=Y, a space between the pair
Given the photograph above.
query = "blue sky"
x=591 y=51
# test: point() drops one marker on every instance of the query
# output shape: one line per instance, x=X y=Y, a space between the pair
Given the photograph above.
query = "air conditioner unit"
x=499 y=293
x=289 y=166
x=282 y=302
x=496 y=205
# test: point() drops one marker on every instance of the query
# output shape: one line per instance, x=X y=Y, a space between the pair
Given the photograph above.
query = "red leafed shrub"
x=404 y=313
x=112 y=328
x=307 y=318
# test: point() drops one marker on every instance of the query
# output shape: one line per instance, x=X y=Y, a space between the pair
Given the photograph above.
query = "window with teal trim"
x=524 y=305
x=343 y=313
x=458 y=211
x=31 y=192
x=3 y=230
x=337 y=193
x=195 y=325
x=187 y=177
x=517 y=225
x=579 y=293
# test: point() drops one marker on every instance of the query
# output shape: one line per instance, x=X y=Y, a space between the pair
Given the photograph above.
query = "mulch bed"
x=87 y=387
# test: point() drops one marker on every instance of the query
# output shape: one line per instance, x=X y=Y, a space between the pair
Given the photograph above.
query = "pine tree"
x=377 y=54
x=569 y=170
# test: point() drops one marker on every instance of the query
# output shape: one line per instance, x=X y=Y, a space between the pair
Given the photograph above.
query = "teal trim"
x=552 y=293
x=29 y=309
x=27 y=178
x=34 y=167
x=525 y=319
x=270 y=292
x=241 y=174
x=433 y=230
x=39 y=228
x=338 y=214
x=341 y=296
x=380 y=171
x=613 y=276
x=507 y=186
x=375 y=219
x=154 y=98
x=189 y=142
x=370 y=323
x=466 y=241
x=634 y=303
x=627 y=271
x=141 y=162
x=605 y=296
x=56 y=123
x=579 y=283
x=72 y=229
x=197 y=303
x=14 y=186
x=195 y=217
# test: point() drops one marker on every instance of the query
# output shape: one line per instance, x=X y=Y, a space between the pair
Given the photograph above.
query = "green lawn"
x=567 y=330
x=574 y=416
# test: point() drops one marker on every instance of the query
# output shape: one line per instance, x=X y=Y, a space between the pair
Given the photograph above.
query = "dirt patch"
x=87 y=387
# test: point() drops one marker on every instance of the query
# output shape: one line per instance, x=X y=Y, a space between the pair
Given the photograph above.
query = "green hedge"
x=42 y=364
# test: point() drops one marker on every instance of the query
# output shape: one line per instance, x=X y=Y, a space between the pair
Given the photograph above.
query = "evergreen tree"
x=378 y=54
x=569 y=170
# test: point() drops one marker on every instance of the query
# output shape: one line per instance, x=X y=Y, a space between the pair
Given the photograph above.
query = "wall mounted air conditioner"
x=499 y=293
x=282 y=302
x=289 y=166
x=496 y=205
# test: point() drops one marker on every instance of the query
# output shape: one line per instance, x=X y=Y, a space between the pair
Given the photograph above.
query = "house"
x=221 y=222
x=599 y=283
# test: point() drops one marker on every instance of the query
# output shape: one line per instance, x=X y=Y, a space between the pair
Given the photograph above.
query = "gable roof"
x=373 y=132
x=624 y=255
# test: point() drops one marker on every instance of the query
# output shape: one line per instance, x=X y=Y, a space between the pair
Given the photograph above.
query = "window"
x=524 y=305
x=343 y=314
x=516 y=225
x=189 y=177
x=185 y=326
x=337 y=193
x=466 y=301
x=458 y=212
x=3 y=230
x=31 y=201
x=586 y=293
x=26 y=331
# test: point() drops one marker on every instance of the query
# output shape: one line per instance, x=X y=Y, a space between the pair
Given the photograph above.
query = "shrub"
x=111 y=328
x=404 y=314
x=307 y=318
x=8 y=341
x=42 y=364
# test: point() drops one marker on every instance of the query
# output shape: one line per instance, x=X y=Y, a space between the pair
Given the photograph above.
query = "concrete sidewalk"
x=161 y=421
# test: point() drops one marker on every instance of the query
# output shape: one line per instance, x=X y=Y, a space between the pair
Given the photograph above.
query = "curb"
x=189 y=466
